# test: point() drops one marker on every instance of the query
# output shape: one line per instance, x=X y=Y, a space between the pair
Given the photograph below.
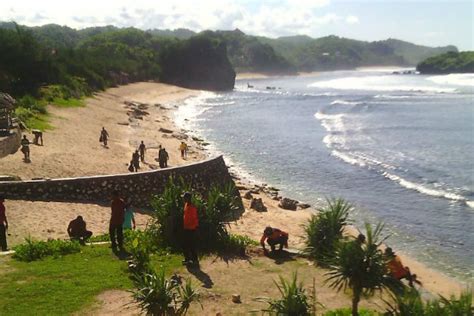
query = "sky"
x=431 y=23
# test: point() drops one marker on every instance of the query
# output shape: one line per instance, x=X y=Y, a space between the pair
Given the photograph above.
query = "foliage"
x=68 y=285
x=213 y=211
x=410 y=303
x=348 y=312
x=324 y=230
x=236 y=244
x=362 y=267
x=33 y=250
x=293 y=301
x=157 y=295
x=451 y=62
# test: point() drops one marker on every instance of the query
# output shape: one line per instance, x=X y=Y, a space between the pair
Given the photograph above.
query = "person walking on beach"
x=136 y=160
x=104 y=136
x=3 y=226
x=142 y=149
x=183 y=147
x=25 y=148
x=129 y=218
x=190 y=225
x=116 y=221
x=77 y=230
x=274 y=236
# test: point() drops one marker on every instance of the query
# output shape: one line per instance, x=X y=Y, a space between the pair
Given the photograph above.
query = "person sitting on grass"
x=397 y=270
x=274 y=236
x=77 y=230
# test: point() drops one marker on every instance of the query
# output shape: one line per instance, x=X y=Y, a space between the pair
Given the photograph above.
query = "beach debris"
x=288 y=204
x=165 y=130
x=257 y=204
x=248 y=195
x=303 y=206
x=236 y=298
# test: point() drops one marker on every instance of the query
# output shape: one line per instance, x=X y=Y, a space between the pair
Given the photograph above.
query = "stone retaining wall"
x=139 y=186
x=10 y=144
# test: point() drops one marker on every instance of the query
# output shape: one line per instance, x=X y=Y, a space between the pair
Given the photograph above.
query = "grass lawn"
x=60 y=286
x=68 y=103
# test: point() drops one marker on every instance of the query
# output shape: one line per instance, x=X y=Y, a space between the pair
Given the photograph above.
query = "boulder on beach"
x=257 y=204
x=303 y=205
x=288 y=204
x=248 y=195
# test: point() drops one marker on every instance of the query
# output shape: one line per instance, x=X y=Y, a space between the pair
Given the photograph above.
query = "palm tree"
x=362 y=267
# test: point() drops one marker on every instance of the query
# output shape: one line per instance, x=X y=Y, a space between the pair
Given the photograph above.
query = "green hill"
x=452 y=62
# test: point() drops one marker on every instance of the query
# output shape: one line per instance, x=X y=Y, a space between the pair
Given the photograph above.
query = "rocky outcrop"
x=198 y=63
x=288 y=204
x=257 y=204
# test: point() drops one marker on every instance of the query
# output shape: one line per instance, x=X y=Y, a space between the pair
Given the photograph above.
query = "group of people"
x=121 y=218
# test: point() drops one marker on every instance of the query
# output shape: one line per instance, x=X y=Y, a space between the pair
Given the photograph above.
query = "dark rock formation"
x=198 y=63
x=248 y=195
x=257 y=204
x=288 y=204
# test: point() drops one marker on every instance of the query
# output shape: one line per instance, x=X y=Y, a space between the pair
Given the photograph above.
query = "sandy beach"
x=72 y=149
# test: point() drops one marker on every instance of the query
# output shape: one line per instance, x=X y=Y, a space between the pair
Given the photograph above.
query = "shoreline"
x=434 y=281
x=86 y=157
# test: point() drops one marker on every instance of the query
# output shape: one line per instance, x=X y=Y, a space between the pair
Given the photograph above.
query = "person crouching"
x=274 y=237
x=77 y=230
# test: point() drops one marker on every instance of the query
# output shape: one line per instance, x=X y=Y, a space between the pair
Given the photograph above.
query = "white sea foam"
x=428 y=191
x=345 y=102
x=331 y=122
x=347 y=157
x=378 y=83
x=454 y=79
x=388 y=96
x=192 y=107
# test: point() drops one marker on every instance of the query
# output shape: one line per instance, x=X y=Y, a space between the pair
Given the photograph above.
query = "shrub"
x=410 y=303
x=213 y=213
x=33 y=250
x=293 y=301
x=324 y=230
x=157 y=295
x=348 y=312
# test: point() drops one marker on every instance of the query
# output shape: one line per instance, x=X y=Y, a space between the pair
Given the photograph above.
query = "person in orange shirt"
x=397 y=270
x=190 y=225
x=274 y=236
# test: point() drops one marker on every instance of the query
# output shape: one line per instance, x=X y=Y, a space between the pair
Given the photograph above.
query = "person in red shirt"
x=116 y=221
x=397 y=270
x=190 y=225
x=3 y=226
x=274 y=236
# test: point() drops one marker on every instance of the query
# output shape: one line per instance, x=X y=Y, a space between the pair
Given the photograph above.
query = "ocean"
x=400 y=147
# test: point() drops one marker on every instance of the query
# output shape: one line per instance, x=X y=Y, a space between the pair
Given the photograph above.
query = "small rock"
x=288 y=204
x=123 y=123
x=257 y=204
x=165 y=130
x=303 y=205
x=248 y=195
x=236 y=298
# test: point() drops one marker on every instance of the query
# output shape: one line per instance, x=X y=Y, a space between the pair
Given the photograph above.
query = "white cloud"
x=271 y=18
x=352 y=19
